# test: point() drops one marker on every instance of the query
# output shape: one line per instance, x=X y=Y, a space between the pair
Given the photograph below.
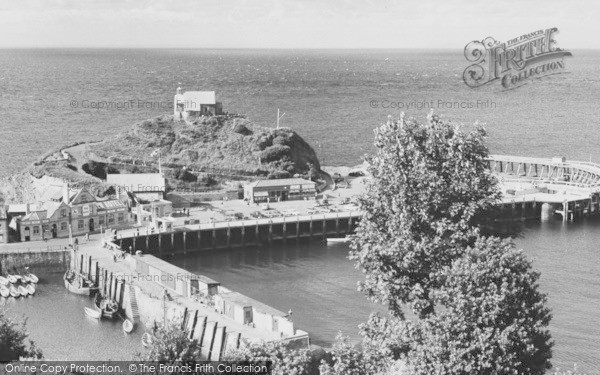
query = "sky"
x=290 y=23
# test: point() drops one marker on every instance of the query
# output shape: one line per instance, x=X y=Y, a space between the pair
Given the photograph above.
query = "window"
x=63 y=213
x=63 y=225
x=101 y=220
x=36 y=230
x=85 y=210
x=80 y=224
x=120 y=217
x=111 y=219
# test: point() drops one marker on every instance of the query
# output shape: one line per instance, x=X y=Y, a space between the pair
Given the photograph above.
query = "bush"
x=274 y=153
x=96 y=169
x=14 y=343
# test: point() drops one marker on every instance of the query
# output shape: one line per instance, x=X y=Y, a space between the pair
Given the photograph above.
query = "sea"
x=334 y=99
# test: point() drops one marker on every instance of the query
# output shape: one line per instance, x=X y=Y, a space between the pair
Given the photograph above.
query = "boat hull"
x=14 y=292
x=128 y=326
x=92 y=313
x=147 y=339
x=11 y=279
x=84 y=291
x=30 y=289
x=4 y=292
x=34 y=279
x=23 y=291
x=3 y=281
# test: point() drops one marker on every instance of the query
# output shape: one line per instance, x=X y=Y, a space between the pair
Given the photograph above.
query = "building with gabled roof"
x=276 y=190
x=77 y=212
x=190 y=105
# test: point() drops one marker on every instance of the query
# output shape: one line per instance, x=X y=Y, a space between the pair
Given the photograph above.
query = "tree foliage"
x=285 y=360
x=493 y=321
x=172 y=345
x=14 y=341
x=421 y=209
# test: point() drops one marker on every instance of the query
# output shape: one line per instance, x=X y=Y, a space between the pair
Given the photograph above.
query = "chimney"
x=65 y=198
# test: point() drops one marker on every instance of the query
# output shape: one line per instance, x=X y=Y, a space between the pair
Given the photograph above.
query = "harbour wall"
x=43 y=260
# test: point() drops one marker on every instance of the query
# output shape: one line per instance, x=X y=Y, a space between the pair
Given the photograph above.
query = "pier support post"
x=565 y=211
x=270 y=232
x=284 y=229
x=184 y=242
x=228 y=236
x=214 y=238
x=243 y=234
x=97 y=275
x=337 y=223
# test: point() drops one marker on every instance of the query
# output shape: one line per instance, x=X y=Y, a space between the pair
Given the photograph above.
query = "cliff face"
x=230 y=143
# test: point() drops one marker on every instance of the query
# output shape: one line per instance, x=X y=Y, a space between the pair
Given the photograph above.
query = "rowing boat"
x=23 y=291
x=25 y=279
x=3 y=280
x=34 y=279
x=128 y=326
x=30 y=289
x=92 y=313
x=4 y=292
x=338 y=239
x=14 y=292
x=12 y=279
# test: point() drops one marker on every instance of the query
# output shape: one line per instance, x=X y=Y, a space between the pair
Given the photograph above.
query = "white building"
x=190 y=105
x=144 y=193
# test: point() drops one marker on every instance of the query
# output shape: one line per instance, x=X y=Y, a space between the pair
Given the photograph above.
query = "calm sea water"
x=334 y=100
x=58 y=325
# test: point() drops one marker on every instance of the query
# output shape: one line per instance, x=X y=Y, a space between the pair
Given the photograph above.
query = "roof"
x=17 y=208
x=110 y=204
x=36 y=215
x=51 y=207
x=137 y=182
x=281 y=182
x=54 y=193
x=192 y=100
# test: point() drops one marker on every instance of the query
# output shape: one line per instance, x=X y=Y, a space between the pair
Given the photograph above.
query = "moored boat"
x=34 y=279
x=30 y=289
x=14 y=292
x=23 y=291
x=128 y=326
x=3 y=280
x=78 y=284
x=25 y=279
x=12 y=279
x=92 y=313
x=4 y=292
x=108 y=307
x=337 y=239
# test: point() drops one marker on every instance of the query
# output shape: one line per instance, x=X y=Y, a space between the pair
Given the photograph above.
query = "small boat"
x=12 y=279
x=3 y=280
x=108 y=307
x=92 y=313
x=30 y=289
x=78 y=284
x=34 y=279
x=17 y=277
x=23 y=291
x=147 y=339
x=128 y=326
x=4 y=292
x=25 y=279
x=338 y=239
x=14 y=292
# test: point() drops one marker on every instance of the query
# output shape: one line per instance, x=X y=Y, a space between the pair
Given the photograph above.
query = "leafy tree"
x=172 y=345
x=14 y=343
x=430 y=182
x=493 y=320
x=285 y=360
